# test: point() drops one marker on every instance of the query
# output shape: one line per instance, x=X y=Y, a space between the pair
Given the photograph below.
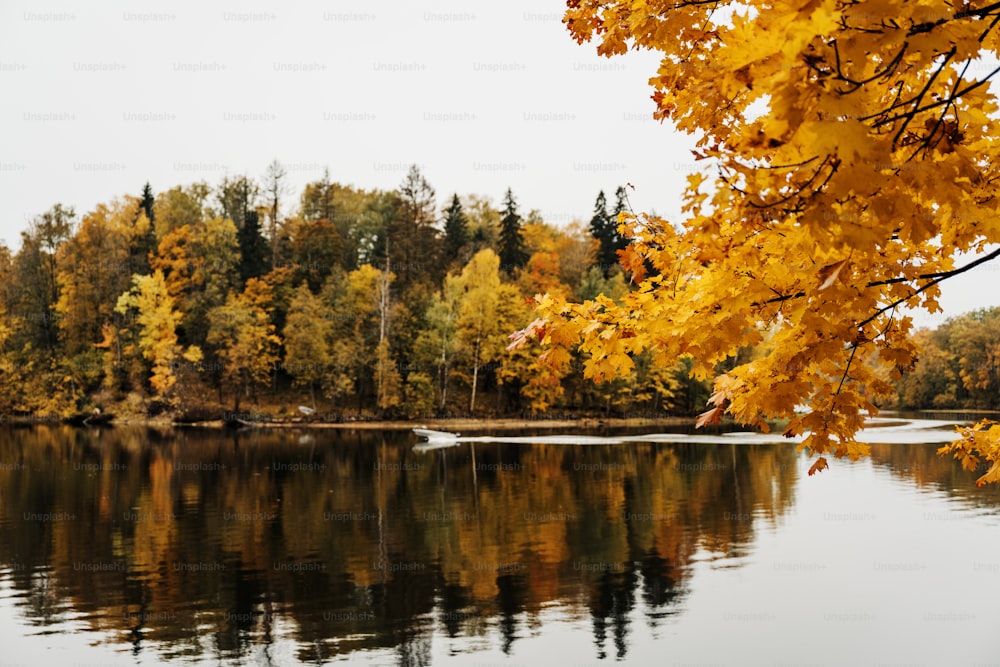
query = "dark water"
x=139 y=547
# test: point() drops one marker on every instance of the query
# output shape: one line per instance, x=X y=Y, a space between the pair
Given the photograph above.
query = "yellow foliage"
x=157 y=319
x=244 y=337
x=978 y=442
x=848 y=158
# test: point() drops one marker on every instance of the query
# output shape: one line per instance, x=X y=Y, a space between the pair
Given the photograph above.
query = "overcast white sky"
x=98 y=98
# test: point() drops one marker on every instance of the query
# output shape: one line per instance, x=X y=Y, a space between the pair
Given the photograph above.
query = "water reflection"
x=197 y=546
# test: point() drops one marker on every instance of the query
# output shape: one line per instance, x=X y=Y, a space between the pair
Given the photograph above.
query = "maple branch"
x=786 y=166
x=708 y=17
x=927 y=26
x=981 y=12
x=913 y=100
x=888 y=325
x=934 y=137
x=937 y=278
x=940 y=274
x=919 y=98
x=854 y=350
x=778 y=299
x=802 y=188
x=692 y=3
x=893 y=64
x=950 y=100
x=987 y=31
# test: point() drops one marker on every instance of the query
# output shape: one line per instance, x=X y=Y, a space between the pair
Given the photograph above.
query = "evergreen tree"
x=147 y=202
x=414 y=242
x=145 y=233
x=238 y=197
x=456 y=230
x=513 y=254
x=604 y=228
x=253 y=248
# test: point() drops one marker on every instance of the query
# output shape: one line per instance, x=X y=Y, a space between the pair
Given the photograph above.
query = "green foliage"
x=179 y=206
x=419 y=396
x=594 y=282
x=308 y=332
x=35 y=276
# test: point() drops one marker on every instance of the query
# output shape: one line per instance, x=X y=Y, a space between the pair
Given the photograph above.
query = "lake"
x=136 y=546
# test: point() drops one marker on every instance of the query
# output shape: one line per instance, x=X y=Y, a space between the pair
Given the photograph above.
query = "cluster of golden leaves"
x=848 y=151
x=976 y=443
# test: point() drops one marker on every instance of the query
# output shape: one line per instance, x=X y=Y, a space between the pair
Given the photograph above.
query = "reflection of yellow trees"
x=921 y=464
x=389 y=533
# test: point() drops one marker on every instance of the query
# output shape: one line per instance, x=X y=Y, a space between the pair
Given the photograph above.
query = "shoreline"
x=460 y=424
x=451 y=424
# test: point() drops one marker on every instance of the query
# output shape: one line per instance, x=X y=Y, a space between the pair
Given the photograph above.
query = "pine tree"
x=253 y=248
x=147 y=202
x=602 y=229
x=414 y=242
x=145 y=233
x=511 y=244
x=456 y=230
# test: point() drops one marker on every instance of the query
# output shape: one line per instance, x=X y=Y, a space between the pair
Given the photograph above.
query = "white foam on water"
x=907 y=431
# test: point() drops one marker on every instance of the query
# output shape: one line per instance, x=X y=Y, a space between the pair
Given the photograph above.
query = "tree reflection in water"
x=206 y=545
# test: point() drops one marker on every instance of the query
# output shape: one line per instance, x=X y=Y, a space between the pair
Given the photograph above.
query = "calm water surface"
x=144 y=547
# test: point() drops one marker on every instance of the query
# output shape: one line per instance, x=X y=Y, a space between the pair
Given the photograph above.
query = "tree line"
x=360 y=303
x=959 y=366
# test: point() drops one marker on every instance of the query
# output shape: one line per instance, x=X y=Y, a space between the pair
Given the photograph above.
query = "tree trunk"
x=475 y=377
x=444 y=386
x=444 y=374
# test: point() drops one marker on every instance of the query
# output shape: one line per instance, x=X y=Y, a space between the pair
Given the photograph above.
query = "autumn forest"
x=197 y=302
